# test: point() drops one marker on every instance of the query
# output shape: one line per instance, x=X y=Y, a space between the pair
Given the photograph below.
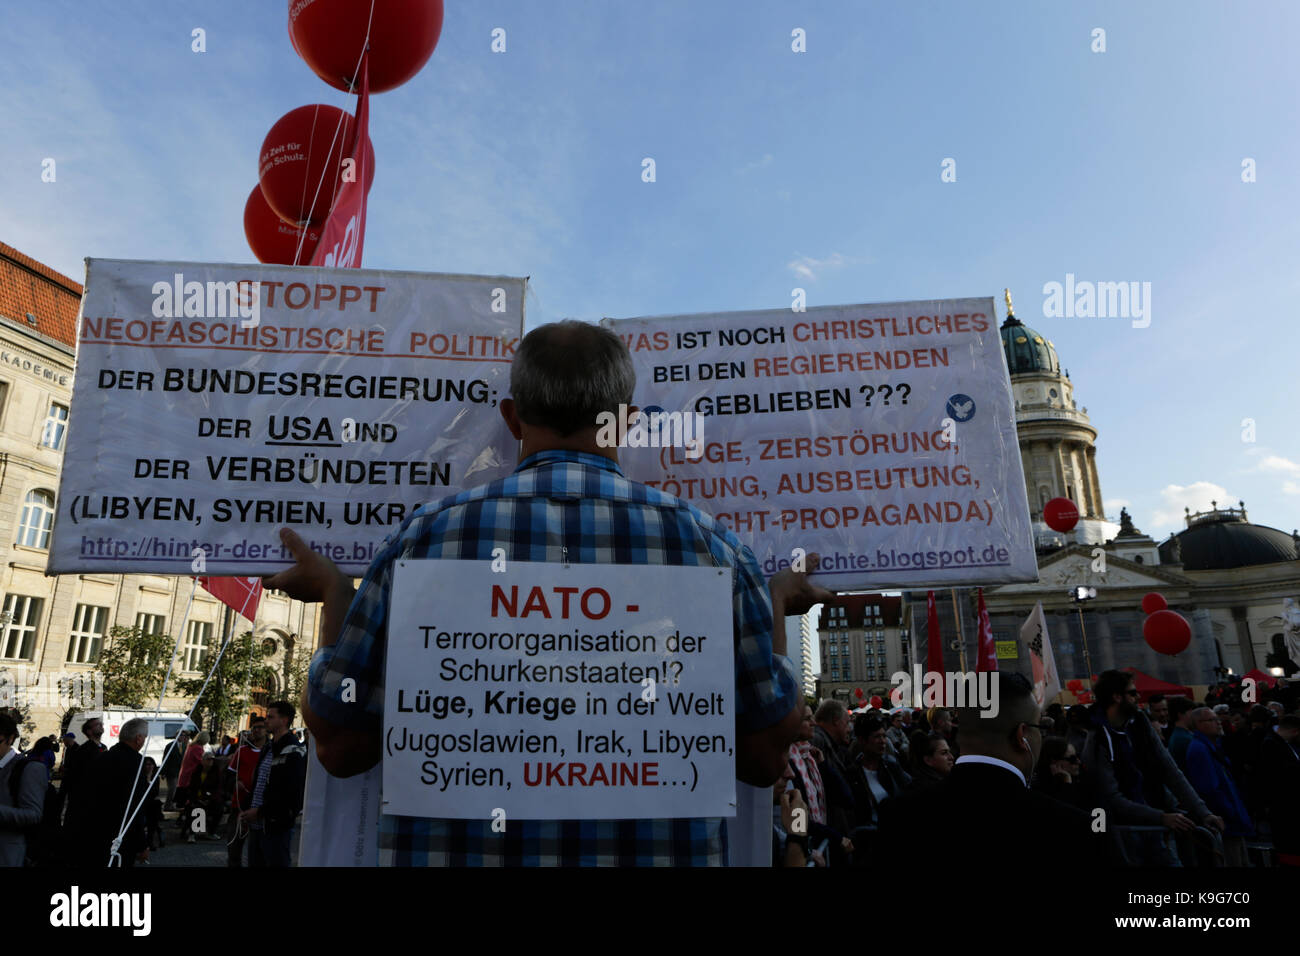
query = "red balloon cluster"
x=1061 y=514
x=1166 y=631
x=330 y=35
x=302 y=164
x=271 y=238
x=1153 y=602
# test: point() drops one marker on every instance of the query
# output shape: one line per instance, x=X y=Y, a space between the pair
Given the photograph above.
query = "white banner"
x=1034 y=635
x=552 y=692
x=214 y=404
x=880 y=436
x=340 y=817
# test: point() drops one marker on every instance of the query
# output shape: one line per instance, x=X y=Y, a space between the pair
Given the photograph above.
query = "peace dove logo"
x=961 y=408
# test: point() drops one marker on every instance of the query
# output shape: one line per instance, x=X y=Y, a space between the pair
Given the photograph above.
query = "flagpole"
x=961 y=638
x=1087 y=659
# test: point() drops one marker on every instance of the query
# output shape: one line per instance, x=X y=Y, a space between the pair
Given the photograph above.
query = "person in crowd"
x=191 y=762
x=119 y=788
x=1076 y=727
x=831 y=738
x=23 y=783
x=921 y=722
x=43 y=751
x=1277 y=710
x=563 y=376
x=1209 y=772
x=789 y=848
x=985 y=815
x=1158 y=714
x=277 y=792
x=207 y=794
x=1057 y=773
x=942 y=723
x=171 y=766
x=897 y=735
x=78 y=820
x=1180 y=727
x=153 y=808
x=1134 y=778
x=1279 y=787
x=932 y=761
x=884 y=777
x=243 y=768
x=804 y=760
x=69 y=747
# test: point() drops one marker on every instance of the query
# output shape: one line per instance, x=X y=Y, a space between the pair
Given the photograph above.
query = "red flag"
x=986 y=658
x=344 y=232
x=241 y=595
x=933 y=642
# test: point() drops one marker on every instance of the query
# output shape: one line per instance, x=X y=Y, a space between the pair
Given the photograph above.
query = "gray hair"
x=133 y=728
x=829 y=711
x=566 y=373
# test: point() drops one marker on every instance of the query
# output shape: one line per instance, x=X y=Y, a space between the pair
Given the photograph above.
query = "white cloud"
x=1277 y=463
x=1291 y=487
x=806 y=267
x=1112 y=505
x=749 y=167
x=1197 y=496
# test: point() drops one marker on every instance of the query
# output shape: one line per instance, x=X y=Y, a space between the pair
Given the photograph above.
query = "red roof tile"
x=30 y=286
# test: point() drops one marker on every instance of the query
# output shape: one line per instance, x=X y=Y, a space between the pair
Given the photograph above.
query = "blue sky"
x=774 y=169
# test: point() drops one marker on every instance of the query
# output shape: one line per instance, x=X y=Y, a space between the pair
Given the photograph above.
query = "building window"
x=37 y=519
x=198 y=640
x=4 y=399
x=87 y=634
x=56 y=426
x=151 y=623
x=21 y=616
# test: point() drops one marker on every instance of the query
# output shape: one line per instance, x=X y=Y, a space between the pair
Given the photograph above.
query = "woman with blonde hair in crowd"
x=191 y=762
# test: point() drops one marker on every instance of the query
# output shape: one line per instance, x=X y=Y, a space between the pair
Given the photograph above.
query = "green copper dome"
x=1026 y=350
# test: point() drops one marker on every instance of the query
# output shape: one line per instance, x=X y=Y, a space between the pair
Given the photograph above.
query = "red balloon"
x=1167 y=632
x=1074 y=686
x=295 y=156
x=1061 y=514
x=877 y=703
x=1153 y=602
x=330 y=36
x=857 y=692
x=271 y=238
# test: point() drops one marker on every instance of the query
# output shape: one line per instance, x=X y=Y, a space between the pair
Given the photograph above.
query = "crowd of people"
x=105 y=806
x=1176 y=783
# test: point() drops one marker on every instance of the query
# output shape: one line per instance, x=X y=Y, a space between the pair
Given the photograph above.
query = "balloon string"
x=365 y=47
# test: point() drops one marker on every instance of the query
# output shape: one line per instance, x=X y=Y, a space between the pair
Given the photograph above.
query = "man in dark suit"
x=117 y=786
x=984 y=814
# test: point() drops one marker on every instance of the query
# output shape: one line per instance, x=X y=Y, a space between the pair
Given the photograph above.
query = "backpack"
x=44 y=839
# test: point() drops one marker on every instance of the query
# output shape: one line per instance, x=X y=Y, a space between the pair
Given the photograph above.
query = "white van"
x=163 y=728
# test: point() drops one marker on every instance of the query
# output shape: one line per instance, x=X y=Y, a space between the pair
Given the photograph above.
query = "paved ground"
x=204 y=851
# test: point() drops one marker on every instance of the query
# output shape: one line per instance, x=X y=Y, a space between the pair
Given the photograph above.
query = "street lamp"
x=1078 y=595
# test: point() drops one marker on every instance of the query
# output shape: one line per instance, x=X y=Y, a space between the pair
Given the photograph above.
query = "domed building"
x=1057 y=441
x=1229 y=578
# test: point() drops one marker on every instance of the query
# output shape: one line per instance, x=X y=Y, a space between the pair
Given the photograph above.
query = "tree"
x=224 y=700
x=295 y=675
x=133 y=667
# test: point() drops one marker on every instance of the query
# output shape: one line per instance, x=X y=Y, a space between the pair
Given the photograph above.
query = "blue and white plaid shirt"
x=557 y=505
